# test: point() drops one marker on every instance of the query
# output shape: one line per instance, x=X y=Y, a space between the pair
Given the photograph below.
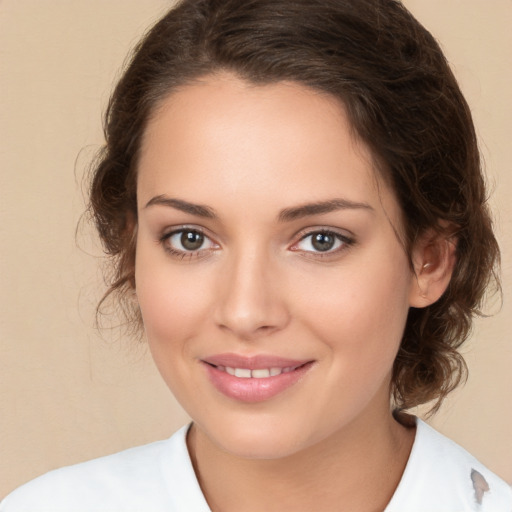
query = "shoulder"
x=150 y=477
x=442 y=476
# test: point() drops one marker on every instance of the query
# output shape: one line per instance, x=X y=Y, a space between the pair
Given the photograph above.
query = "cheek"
x=360 y=310
x=172 y=302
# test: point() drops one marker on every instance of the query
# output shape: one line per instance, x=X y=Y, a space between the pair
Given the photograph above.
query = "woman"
x=292 y=198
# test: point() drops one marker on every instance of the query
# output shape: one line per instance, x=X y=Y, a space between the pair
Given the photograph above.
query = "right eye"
x=187 y=242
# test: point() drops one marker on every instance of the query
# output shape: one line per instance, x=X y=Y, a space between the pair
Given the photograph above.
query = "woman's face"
x=272 y=285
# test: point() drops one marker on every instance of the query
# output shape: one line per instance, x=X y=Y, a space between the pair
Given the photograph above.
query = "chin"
x=258 y=438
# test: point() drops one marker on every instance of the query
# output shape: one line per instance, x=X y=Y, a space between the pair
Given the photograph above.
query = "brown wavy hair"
x=402 y=101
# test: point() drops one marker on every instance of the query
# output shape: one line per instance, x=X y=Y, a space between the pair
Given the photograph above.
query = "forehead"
x=284 y=141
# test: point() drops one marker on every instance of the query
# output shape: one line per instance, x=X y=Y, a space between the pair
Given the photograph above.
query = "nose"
x=251 y=299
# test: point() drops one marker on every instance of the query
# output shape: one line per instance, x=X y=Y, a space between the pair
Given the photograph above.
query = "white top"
x=440 y=476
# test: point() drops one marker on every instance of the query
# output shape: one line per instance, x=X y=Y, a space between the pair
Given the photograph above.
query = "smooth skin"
x=226 y=262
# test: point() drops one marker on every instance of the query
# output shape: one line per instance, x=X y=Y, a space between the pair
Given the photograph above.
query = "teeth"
x=260 y=373
x=243 y=373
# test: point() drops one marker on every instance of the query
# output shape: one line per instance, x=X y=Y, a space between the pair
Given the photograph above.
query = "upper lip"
x=253 y=362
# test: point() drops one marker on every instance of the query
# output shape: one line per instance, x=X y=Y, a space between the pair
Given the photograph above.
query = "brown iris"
x=323 y=241
x=192 y=240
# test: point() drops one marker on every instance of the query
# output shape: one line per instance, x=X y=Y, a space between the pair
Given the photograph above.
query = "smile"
x=259 y=373
x=254 y=379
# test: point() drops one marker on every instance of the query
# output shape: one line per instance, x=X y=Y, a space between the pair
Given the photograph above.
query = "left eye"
x=320 y=241
x=188 y=240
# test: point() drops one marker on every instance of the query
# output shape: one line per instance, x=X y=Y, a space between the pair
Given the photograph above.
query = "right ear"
x=130 y=224
x=130 y=238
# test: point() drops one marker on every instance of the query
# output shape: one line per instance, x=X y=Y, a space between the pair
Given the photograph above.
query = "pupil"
x=323 y=242
x=191 y=240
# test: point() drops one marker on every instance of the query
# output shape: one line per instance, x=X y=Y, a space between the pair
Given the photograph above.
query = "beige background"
x=68 y=395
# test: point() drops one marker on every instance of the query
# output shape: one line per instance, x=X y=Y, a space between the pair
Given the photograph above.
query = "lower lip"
x=251 y=389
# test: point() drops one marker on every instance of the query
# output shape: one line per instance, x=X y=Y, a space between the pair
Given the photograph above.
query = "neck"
x=358 y=467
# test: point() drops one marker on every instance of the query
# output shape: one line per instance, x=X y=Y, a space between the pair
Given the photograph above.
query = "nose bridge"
x=251 y=302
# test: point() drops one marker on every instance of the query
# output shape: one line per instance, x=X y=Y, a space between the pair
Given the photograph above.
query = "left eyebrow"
x=297 y=212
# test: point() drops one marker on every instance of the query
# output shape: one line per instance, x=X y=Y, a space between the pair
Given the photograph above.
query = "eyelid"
x=347 y=240
x=182 y=254
x=170 y=230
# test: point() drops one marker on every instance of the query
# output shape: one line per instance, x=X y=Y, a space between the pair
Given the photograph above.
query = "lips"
x=254 y=379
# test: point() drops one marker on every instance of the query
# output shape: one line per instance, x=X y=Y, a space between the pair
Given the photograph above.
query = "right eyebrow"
x=198 y=210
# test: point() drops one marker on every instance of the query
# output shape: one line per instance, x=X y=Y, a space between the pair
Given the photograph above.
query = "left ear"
x=433 y=258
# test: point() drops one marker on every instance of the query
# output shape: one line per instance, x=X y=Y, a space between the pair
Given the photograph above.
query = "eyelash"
x=186 y=254
x=344 y=241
